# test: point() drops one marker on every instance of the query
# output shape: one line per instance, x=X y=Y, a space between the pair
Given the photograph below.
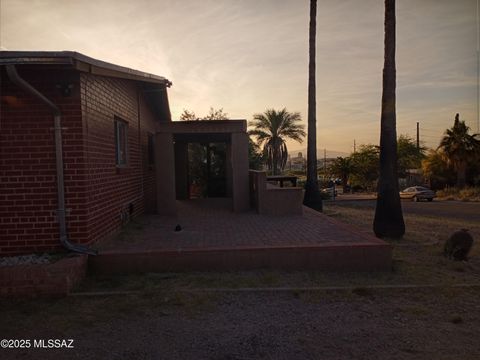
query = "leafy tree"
x=255 y=156
x=388 y=221
x=460 y=148
x=272 y=129
x=365 y=170
x=437 y=170
x=409 y=156
x=188 y=115
x=312 y=197
x=213 y=114
x=342 y=167
x=216 y=114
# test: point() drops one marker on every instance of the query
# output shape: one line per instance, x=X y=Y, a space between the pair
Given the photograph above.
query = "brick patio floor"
x=210 y=229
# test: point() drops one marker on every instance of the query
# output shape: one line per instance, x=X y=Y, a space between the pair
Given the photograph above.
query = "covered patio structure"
x=251 y=225
x=171 y=160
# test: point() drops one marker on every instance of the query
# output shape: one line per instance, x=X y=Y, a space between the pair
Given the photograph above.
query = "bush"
x=465 y=194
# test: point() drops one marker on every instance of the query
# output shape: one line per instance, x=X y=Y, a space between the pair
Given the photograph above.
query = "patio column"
x=181 y=170
x=165 y=174
x=240 y=180
x=228 y=169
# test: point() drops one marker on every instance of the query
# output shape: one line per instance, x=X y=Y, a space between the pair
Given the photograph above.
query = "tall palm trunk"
x=312 y=194
x=276 y=157
x=461 y=167
x=388 y=220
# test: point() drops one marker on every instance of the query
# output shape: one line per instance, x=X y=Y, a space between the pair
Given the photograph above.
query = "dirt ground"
x=342 y=316
x=363 y=324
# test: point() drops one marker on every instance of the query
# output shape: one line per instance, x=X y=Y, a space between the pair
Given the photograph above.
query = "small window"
x=121 y=140
x=151 y=150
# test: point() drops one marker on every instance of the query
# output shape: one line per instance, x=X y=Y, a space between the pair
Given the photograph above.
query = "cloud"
x=250 y=55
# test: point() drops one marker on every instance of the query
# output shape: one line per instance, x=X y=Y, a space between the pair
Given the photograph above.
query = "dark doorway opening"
x=207 y=175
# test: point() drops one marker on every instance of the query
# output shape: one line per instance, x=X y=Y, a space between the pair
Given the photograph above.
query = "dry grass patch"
x=465 y=194
x=418 y=257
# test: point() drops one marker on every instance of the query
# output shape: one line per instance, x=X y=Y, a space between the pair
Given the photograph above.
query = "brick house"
x=108 y=116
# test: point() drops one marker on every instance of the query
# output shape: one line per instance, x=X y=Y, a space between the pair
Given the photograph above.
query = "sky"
x=246 y=56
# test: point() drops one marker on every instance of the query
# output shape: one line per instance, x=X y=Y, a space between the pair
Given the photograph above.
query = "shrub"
x=465 y=194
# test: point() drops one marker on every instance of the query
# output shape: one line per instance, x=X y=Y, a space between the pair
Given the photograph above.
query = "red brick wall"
x=97 y=192
x=110 y=188
x=149 y=188
x=28 y=196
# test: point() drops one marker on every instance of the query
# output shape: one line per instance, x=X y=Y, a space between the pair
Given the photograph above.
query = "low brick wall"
x=268 y=199
x=325 y=257
x=56 y=279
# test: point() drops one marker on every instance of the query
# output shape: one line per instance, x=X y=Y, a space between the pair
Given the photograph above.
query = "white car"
x=331 y=191
x=417 y=193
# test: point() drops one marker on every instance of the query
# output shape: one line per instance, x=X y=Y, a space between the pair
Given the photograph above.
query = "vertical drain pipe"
x=17 y=80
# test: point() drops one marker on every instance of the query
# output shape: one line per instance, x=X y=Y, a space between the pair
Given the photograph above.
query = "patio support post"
x=165 y=174
x=239 y=163
x=228 y=170
x=181 y=170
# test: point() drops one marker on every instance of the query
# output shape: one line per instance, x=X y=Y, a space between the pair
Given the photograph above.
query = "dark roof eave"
x=81 y=63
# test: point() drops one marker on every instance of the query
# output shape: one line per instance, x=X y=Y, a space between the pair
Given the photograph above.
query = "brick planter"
x=56 y=279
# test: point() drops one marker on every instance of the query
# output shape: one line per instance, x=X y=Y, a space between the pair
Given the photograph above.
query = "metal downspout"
x=17 y=80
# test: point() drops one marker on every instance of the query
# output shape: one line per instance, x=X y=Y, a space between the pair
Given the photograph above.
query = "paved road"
x=449 y=209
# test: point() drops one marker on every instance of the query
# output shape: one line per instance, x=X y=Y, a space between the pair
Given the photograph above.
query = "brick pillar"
x=165 y=174
x=181 y=170
x=228 y=170
x=240 y=181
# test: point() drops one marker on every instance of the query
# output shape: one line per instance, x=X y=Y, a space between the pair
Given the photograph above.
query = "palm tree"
x=388 y=220
x=436 y=170
x=312 y=196
x=272 y=129
x=459 y=148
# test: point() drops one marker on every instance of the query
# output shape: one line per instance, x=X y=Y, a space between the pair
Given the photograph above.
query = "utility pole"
x=354 y=146
x=418 y=136
x=324 y=164
x=478 y=71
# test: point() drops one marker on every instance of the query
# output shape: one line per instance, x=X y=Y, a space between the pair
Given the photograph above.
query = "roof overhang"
x=79 y=62
x=154 y=86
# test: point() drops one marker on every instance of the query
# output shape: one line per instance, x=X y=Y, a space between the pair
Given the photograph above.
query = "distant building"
x=413 y=177
x=297 y=163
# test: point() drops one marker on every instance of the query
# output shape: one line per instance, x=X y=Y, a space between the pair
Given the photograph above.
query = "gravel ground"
x=31 y=259
x=364 y=324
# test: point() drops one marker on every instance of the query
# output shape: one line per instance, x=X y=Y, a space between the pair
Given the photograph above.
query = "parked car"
x=331 y=191
x=417 y=193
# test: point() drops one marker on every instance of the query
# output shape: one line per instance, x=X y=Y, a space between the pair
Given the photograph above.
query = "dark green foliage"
x=365 y=170
x=213 y=114
x=188 y=115
x=255 y=156
x=460 y=149
x=342 y=167
x=437 y=170
x=409 y=156
x=272 y=129
x=207 y=171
